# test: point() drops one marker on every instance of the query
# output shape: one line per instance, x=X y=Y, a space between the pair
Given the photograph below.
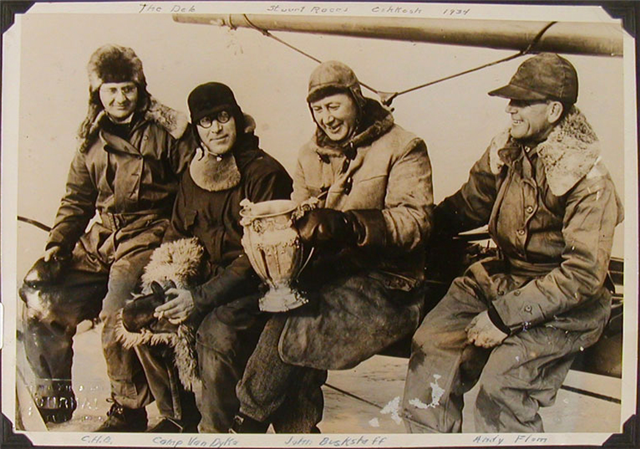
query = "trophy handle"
x=304 y=207
x=306 y=262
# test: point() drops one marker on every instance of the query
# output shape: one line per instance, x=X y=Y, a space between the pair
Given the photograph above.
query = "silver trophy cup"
x=273 y=247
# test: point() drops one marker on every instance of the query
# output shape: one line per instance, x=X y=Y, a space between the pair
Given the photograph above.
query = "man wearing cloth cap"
x=132 y=150
x=373 y=180
x=515 y=322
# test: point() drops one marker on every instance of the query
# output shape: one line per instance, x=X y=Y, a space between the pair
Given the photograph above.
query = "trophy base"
x=281 y=299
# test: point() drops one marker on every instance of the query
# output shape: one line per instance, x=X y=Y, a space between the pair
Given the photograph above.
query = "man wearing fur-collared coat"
x=373 y=180
x=126 y=172
x=515 y=322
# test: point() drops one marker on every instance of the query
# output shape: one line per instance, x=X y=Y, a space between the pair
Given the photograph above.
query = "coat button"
x=520 y=231
x=529 y=209
x=517 y=293
x=528 y=309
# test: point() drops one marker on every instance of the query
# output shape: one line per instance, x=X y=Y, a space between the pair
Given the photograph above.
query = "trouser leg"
x=266 y=378
x=172 y=400
x=223 y=350
x=436 y=382
x=523 y=374
x=129 y=386
x=303 y=408
x=48 y=337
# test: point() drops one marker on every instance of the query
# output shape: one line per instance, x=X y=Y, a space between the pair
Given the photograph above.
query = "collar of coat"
x=567 y=155
x=377 y=122
x=174 y=122
x=215 y=174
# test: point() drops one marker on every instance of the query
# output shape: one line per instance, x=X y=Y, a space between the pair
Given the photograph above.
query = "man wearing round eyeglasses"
x=228 y=167
x=217 y=132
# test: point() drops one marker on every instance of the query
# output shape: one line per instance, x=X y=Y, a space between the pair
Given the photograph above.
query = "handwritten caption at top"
x=174 y=8
x=277 y=8
x=455 y=12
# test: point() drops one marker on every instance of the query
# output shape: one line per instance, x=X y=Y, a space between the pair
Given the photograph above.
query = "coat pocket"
x=189 y=219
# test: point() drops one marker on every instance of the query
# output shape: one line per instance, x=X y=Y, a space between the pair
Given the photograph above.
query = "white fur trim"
x=497 y=143
x=568 y=154
x=177 y=262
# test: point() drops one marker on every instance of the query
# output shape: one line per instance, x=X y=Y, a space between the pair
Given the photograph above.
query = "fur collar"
x=212 y=173
x=377 y=122
x=568 y=154
x=174 y=122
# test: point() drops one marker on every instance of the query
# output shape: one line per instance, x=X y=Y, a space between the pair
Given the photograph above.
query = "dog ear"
x=157 y=290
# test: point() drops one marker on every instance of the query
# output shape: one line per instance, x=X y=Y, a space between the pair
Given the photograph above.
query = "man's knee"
x=430 y=334
x=499 y=375
x=46 y=306
x=214 y=335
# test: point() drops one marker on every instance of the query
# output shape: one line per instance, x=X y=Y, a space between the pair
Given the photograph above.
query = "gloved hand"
x=329 y=227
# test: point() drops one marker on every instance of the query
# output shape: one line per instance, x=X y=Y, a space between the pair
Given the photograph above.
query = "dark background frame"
x=626 y=10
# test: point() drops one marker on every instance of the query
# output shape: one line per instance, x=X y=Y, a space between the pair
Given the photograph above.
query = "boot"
x=123 y=419
x=55 y=400
x=245 y=424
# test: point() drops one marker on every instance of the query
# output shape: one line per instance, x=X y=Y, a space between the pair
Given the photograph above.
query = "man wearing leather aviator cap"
x=373 y=179
x=515 y=322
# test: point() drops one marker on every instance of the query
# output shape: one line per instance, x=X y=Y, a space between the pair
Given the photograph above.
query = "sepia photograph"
x=288 y=224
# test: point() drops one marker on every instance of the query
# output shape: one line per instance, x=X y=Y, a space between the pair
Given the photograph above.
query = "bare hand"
x=482 y=332
x=51 y=253
x=178 y=308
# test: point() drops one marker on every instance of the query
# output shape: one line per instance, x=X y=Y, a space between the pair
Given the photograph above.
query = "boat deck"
x=360 y=400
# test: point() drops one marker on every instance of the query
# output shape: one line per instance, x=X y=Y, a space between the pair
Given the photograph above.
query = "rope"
x=527 y=50
x=277 y=39
x=388 y=97
x=35 y=223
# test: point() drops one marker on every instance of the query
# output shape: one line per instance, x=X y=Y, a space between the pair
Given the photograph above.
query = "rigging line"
x=35 y=223
x=388 y=97
x=527 y=50
x=277 y=39
x=268 y=34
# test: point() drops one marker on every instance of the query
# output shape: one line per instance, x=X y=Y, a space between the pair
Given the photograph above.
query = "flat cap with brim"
x=546 y=76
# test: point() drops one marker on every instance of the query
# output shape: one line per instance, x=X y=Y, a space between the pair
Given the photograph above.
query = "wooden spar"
x=603 y=39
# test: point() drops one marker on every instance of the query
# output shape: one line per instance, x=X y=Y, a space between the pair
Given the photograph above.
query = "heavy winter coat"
x=552 y=211
x=214 y=218
x=368 y=298
x=126 y=177
x=384 y=175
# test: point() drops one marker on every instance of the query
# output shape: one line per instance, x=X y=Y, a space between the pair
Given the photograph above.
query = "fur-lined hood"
x=568 y=154
x=174 y=122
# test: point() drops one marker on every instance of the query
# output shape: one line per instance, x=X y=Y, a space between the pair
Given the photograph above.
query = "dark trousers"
x=516 y=377
x=172 y=399
x=347 y=320
x=226 y=339
x=104 y=271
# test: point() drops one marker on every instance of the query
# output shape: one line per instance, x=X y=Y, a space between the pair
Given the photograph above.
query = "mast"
x=603 y=39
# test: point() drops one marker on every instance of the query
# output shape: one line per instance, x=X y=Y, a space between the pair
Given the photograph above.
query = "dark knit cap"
x=211 y=98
